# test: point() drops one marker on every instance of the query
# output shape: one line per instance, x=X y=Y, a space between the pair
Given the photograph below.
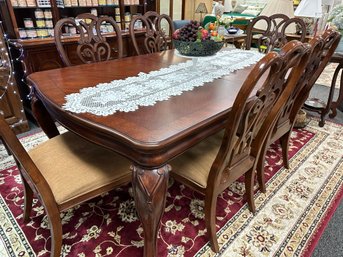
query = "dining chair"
x=92 y=44
x=274 y=34
x=63 y=172
x=158 y=33
x=319 y=106
x=321 y=50
x=211 y=166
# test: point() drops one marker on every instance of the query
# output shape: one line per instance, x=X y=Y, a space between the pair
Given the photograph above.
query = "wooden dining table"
x=150 y=136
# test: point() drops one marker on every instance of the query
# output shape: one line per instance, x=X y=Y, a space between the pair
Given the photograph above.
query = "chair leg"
x=249 y=189
x=330 y=104
x=56 y=234
x=28 y=197
x=284 y=140
x=335 y=104
x=7 y=148
x=260 y=169
x=210 y=219
x=260 y=174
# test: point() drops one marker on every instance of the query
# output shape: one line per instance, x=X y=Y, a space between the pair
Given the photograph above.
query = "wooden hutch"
x=37 y=52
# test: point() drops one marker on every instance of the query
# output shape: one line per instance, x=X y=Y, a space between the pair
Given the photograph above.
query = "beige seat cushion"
x=195 y=164
x=73 y=166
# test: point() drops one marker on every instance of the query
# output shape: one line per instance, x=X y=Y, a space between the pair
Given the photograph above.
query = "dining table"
x=148 y=135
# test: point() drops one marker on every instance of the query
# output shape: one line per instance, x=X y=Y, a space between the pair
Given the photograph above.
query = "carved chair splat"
x=156 y=38
x=92 y=45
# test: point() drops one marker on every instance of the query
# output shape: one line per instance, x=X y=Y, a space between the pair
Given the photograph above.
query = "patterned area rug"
x=289 y=220
x=326 y=77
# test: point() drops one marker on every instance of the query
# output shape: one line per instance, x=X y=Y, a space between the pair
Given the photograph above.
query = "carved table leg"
x=43 y=118
x=339 y=100
x=150 y=189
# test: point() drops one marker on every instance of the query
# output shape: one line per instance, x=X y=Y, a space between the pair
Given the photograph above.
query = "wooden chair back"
x=274 y=35
x=321 y=50
x=92 y=44
x=156 y=39
x=252 y=118
x=27 y=167
x=152 y=18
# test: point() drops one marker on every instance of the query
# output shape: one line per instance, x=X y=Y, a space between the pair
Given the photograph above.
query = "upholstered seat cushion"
x=73 y=166
x=195 y=164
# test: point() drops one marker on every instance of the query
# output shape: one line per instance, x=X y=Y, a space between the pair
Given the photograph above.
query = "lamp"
x=278 y=6
x=311 y=9
x=201 y=9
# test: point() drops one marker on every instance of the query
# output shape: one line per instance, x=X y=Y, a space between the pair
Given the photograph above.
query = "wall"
x=177 y=8
x=191 y=5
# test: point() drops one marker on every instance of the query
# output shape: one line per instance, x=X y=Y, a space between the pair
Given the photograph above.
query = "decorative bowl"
x=203 y=48
x=232 y=30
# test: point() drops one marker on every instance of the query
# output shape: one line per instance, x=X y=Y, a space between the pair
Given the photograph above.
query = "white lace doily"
x=147 y=89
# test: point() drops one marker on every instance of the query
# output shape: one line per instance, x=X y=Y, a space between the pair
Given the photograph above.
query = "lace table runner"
x=148 y=88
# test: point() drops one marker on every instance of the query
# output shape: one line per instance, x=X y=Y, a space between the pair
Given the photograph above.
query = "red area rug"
x=289 y=220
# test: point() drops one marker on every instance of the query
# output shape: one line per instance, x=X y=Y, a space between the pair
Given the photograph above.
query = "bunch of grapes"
x=189 y=32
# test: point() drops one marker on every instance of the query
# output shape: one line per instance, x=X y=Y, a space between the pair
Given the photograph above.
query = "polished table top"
x=150 y=136
x=148 y=128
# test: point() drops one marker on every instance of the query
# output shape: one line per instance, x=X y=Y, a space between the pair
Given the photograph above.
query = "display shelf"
x=33 y=7
x=69 y=8
x=107 y=5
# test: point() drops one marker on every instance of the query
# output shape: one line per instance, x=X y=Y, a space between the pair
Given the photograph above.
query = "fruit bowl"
x=196 y=48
